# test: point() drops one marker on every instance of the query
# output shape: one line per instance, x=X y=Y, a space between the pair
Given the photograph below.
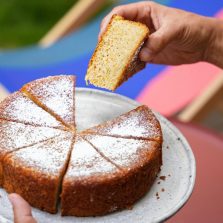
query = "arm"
x=177 y=37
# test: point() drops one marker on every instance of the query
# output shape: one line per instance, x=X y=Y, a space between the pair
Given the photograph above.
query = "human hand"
x=21 y=209
x=176 y=36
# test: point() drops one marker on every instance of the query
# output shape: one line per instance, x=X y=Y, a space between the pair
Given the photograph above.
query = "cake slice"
x=127 y=153
x=36 y=172
x=139 y=123
x=14 y=136
x=85 y=187
x=116 y=56
x=17 y=107
x=106 y=174
x=54 y=94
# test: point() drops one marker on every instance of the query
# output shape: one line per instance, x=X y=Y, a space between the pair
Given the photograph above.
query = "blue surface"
x=71 y=55
x=73 y=46
x=13 y=79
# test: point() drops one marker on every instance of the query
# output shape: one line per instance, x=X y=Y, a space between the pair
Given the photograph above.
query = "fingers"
x=133 y=11
x=22 y=210
x=156 y=42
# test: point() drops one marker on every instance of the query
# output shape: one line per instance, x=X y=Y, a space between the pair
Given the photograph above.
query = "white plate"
x=94 y=107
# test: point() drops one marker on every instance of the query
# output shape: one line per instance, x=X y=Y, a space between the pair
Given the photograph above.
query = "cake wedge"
x=139 y=123
x=14 y=136
x=56 y=95
x=36 y=172
x=19 y=108
x=115 y=58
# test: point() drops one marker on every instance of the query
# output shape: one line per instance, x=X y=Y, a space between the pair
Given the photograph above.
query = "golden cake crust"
x=101 y=170
x=119 y=189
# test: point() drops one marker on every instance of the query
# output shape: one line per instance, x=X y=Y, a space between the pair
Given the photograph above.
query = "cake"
x=116 y=56
x=139 y=123
x=14 y=136
x=55 y=95
x=18 y=108
x=35 y=172
x=106 y=174
x=94 y=172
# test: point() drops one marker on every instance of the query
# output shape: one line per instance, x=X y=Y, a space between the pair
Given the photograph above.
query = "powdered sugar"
x=86 y=161
x=126 y=153
x=57 y=94
x=139 y=123
x=18 y=107
x=14 y=135
x=47 y=158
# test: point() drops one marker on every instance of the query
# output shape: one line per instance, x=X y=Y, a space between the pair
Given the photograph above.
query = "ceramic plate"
x=167 y=194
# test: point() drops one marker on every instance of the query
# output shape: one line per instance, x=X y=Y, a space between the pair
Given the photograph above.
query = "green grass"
x=24 y=22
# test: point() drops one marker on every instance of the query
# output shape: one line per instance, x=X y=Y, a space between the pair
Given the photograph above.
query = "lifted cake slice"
x=36 y=172
x=17 y=107
x=56 y=95
x=116 y=56
x=14 y=136
x=139 y=123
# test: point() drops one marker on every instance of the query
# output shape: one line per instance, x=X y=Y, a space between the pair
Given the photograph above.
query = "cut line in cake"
x=56 y=95
x=40 y=168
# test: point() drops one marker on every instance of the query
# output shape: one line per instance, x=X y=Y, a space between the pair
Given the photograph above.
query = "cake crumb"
x=163 y=178
x=167 y=147
x=178 y=139
x=158 y=182
x=169 y=175
x=162 y=189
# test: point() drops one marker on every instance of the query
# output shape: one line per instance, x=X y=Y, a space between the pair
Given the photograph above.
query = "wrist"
x=214 y=51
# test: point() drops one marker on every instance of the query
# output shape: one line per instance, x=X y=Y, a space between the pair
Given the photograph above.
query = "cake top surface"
x=17 y=107
x=86 y=162
x=15 y=135
x=138 y=123
x=48 y=158
x=56 y=94
x=126 y=153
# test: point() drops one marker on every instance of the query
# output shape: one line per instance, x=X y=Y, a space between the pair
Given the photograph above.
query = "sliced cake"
x=36 y=172
x=139 y=123
x=106 y=174
x=17 y=107
x=15 y=135
x=116 y=56
x=89 y=184
x=54 y=94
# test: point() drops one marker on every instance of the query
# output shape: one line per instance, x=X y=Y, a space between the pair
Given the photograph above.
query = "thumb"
x=156 y=42
x=21 y=209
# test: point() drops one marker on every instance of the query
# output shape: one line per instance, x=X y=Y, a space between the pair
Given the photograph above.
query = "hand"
x=22 y=210
x=176 y=36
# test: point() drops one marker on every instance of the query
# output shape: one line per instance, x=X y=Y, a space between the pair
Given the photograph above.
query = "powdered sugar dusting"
x=86 y=161
x=57 y=94
x=18 y=107
x=14 y=135
x=127 y=153
x=138 y=123
x=47 y=158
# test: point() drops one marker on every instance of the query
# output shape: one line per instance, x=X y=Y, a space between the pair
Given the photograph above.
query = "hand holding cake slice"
x=116 y=56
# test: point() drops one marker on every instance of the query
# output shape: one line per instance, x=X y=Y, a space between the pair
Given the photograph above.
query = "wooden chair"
x=72 y=20
x=207 y=109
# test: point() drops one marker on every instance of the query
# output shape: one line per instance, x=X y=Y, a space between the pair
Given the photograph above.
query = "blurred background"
x=40 y=38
